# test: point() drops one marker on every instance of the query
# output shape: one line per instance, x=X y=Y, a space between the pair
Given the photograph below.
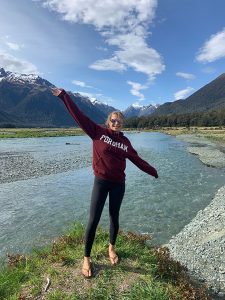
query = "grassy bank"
x=53 y=273
x=216 y=134
x=38 y=132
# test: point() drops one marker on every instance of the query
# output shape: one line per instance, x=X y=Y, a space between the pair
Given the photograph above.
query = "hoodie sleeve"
x=140 y=163
x=82 y=120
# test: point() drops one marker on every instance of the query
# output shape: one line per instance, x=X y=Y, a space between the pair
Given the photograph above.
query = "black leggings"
x=100 y=191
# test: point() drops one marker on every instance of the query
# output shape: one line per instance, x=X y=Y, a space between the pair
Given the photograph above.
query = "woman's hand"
x=56 y=91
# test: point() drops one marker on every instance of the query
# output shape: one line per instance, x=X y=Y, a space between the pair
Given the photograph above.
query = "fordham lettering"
x=109 y=141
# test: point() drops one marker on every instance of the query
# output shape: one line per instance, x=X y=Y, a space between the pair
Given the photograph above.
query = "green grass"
x=216 y=134
x=38 y=132
x=144 y=272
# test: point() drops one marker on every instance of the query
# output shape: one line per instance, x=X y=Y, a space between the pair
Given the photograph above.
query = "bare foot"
x=86 y=269
x=114 y=259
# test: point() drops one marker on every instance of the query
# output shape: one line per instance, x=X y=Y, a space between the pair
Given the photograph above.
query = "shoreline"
x=188 y=247
x=210 y=153
x=200 y=246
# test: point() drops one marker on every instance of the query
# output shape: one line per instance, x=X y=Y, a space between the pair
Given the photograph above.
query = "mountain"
x=8 y=120
x=27 y=101
x=139 y=111
x=23 y=78
x=104 y=108
x=209 y=97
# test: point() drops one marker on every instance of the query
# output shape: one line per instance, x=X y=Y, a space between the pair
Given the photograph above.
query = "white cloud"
x=134 y=53
x=111 y=64
x=14 y=64
x=84 y=85
x=89 y=95
x=123 y=24
x=13 y=46
x=185 y=75
x=183 y=94
x=213 y=49
x=81 y=83
x=135 y=90
x=116 y=14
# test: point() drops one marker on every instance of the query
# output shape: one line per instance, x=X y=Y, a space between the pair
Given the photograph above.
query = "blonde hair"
x=118 y=114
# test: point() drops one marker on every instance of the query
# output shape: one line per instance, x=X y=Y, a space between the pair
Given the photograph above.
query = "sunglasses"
x=114 y=121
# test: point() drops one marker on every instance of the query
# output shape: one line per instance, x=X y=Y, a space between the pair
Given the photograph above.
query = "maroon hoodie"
x=110 y=148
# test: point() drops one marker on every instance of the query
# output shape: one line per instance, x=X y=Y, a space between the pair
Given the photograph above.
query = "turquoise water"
x=36 y=210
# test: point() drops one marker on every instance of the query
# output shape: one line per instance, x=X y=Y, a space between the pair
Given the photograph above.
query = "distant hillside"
x=7 y=120
x=209 y=97
x=27 y=101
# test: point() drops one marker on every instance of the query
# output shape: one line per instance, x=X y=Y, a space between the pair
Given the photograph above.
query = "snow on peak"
x=22 y=78
x=136 y=105
x=94 y=100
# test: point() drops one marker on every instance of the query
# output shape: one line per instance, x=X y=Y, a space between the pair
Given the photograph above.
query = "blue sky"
x=121 y=52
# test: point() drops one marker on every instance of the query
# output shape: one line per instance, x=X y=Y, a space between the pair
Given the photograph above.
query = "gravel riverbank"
x=24 y=165
x=200 y=246
x=210 y=153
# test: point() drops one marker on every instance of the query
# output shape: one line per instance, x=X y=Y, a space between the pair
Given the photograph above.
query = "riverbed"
x=45 y=185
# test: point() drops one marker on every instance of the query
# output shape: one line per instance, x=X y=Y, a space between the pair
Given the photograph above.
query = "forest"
x=207 y=119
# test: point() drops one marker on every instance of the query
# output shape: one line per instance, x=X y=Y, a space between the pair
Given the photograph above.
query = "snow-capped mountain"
x=139 y=111
x=23 y=78
x=27 y=101
x=104 y=108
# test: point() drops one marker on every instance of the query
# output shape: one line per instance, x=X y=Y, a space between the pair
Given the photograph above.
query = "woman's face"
x=115 y=123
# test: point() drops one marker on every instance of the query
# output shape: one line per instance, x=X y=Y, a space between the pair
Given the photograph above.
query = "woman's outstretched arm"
x=82 y=120
x=141 y=163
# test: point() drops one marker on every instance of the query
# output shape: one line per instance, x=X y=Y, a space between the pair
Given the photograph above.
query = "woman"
x=110 y=150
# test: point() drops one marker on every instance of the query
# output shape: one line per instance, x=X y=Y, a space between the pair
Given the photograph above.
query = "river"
x=46 y=186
